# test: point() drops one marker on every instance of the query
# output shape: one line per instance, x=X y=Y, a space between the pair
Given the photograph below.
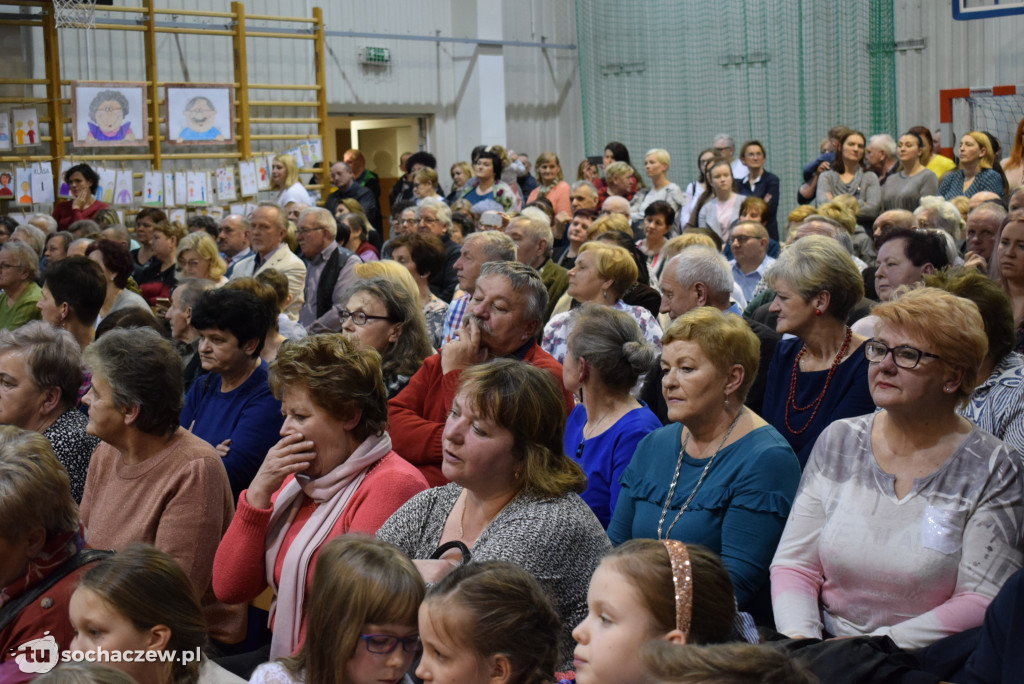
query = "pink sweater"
x=179 y=501
x=239 y=570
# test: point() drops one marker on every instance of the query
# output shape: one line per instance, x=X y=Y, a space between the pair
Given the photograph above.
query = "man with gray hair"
x=268 y=228
x=179 y=316
x=893 y=218
x=477 y=250
x=700 y=276
x=725 y=147
x=880 y=155
x=584 y=195
x=330 y=270
x=508 y=304
x=233 y=240
x=982 y=227
x=19 y=271
x=533 y=239
x=44 y=222
x=616 y=204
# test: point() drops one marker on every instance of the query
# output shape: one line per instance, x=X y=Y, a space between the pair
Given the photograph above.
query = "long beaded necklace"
x=700 y=481
x=816 y=404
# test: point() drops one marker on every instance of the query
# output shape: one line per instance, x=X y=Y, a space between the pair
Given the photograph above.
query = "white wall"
x=957 y=54
x=425 y=78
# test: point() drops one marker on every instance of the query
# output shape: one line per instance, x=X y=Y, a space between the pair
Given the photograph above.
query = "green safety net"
x=674 y=73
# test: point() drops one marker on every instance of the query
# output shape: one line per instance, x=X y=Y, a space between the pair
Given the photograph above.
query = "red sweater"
x=418 y=412
x=239 y=569
x=47 y=614
x=65 y=214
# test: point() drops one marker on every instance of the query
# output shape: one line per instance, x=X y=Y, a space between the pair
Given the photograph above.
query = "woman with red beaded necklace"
x=821 y=375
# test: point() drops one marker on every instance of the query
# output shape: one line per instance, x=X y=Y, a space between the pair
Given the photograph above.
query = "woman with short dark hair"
x=73 y=293
x=82 y=182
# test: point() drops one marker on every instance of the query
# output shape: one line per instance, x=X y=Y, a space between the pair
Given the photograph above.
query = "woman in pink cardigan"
x=332 y=472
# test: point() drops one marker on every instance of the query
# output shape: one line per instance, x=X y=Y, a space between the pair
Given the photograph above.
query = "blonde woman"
x=977 y=172
x=284 y=176
x=198 y=257
x=552 y=184
x=602 y=274
x=462 y=173
x=656 y=164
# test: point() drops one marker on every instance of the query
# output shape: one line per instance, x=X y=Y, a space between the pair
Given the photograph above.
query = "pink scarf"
x=331 y=492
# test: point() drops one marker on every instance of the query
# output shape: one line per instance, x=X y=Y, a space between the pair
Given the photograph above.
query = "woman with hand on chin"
x=718 y=475
x=513 y=494
x=332 y=472
x=601 y=275
x=83 y=182
x=821 y=375
x=913 y=495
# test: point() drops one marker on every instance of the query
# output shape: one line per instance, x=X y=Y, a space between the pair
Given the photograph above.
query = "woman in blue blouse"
x=606 y=353
x=822 y=374
x=719 y=475
x=977 y=172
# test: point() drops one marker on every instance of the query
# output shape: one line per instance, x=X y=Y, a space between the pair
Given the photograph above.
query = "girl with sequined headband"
x=644 y=590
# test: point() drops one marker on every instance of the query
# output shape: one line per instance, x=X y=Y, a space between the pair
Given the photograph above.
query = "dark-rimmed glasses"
x=359 y=318
x=384 y=644
x=903 y=355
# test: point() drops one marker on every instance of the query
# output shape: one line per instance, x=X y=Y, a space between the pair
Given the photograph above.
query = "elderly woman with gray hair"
x=40 y=372
x=150 y=480
x=435 y=218
x=820 y=376
x=19 y=271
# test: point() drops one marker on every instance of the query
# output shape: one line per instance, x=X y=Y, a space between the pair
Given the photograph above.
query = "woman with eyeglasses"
x=332 y=472
x=381 y=315
x=907 y=521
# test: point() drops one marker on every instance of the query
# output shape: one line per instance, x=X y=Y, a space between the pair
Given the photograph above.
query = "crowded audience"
x=592 y=428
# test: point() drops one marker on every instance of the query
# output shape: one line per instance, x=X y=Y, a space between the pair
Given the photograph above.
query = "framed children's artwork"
x=104 y=114
x=200 y=113
x=26 y=127
x=5 y=131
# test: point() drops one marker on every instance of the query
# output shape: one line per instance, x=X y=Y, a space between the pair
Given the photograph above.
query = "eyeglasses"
x=192 y=263
x=741 y=239
x=903 y=356
x=424 y=219
x=360 y=318
x=3 y=266
x=408 y=221
x=109 y=110
x=307 y=231
x=385 y=643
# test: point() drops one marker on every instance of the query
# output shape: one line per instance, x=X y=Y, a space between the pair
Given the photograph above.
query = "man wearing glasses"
x=749 y=241
x=268 y=227
x=330 y=269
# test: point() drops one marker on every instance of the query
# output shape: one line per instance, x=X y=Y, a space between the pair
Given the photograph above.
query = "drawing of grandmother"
x=200 y=115
x=107 y=113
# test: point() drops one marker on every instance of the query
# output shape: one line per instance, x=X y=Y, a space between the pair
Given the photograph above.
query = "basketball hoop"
x=74 y=13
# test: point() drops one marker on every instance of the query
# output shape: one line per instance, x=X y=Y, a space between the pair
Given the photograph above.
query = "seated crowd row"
x=800 y=453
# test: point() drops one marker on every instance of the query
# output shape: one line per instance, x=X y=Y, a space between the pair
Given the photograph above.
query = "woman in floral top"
x=487 y=186
x=601 y=274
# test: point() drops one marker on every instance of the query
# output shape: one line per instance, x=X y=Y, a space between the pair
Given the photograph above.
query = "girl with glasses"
x=907 y=521
x=362 y=618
